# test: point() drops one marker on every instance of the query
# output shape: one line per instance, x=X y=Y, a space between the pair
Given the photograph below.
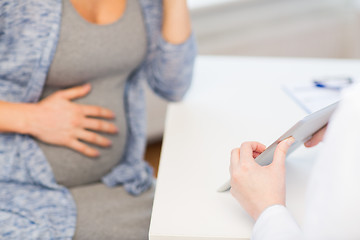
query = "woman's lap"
x=111 y=213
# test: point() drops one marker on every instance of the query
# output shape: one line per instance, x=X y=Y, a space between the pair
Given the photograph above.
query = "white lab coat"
x=333 y=195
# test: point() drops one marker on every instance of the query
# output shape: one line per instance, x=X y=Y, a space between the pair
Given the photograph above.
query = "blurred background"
x=274 y=28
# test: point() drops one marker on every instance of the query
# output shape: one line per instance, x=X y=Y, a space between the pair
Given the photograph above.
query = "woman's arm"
x=176 y=27
x=59 y=121
x=14 y=117
x=172 y=48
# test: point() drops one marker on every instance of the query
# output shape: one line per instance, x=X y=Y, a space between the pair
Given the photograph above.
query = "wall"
x=296 y=28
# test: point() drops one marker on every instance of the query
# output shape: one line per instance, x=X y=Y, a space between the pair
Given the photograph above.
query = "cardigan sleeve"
x=169 y=73
x=168 y=67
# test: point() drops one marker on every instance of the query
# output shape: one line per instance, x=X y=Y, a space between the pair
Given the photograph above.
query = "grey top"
x=105 y=56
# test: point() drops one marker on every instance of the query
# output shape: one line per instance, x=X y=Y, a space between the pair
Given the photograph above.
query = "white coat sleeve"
x=333 y=199
x=276 y=223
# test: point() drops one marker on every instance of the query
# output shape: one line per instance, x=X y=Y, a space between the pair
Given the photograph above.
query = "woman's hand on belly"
x=59 y=121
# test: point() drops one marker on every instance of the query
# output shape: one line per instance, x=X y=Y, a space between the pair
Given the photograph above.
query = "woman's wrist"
x=16 y=117
x=30 y=113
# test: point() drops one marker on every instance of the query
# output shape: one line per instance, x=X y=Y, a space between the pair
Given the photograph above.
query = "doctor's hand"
x=258 y=187
x=316 y=138
x=59 y=121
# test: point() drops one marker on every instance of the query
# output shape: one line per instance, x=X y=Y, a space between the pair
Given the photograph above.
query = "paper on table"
x=310 y=97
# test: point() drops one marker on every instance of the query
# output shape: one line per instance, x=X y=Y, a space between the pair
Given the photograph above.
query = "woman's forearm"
x=14 y=117
x=176 y=23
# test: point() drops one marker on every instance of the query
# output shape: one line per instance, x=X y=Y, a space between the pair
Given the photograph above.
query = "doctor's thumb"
x=281 y=150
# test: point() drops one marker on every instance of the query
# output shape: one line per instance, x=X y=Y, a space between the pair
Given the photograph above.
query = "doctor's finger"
x=235 y=158
x=316 y=138
x=248 y=149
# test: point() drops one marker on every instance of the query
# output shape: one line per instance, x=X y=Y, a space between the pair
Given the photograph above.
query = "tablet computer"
x=301 y=131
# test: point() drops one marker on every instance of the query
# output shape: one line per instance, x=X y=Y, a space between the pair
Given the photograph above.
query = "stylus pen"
x=225 y=187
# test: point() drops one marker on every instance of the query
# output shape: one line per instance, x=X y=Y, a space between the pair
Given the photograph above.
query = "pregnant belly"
x=71 y=168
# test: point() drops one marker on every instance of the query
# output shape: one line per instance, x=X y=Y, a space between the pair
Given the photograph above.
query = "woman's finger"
x=96 y=111
x=83 y=148
x=281 y=150
x=93 y=138
x=75 y=92
x=99 y=125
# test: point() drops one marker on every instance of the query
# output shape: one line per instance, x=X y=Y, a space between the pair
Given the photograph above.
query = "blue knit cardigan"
x=32 y=204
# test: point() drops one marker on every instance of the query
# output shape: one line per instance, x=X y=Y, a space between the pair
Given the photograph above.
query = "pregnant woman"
x=72 y=112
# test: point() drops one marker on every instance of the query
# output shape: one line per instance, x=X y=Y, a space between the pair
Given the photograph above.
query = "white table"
x=231 y=100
